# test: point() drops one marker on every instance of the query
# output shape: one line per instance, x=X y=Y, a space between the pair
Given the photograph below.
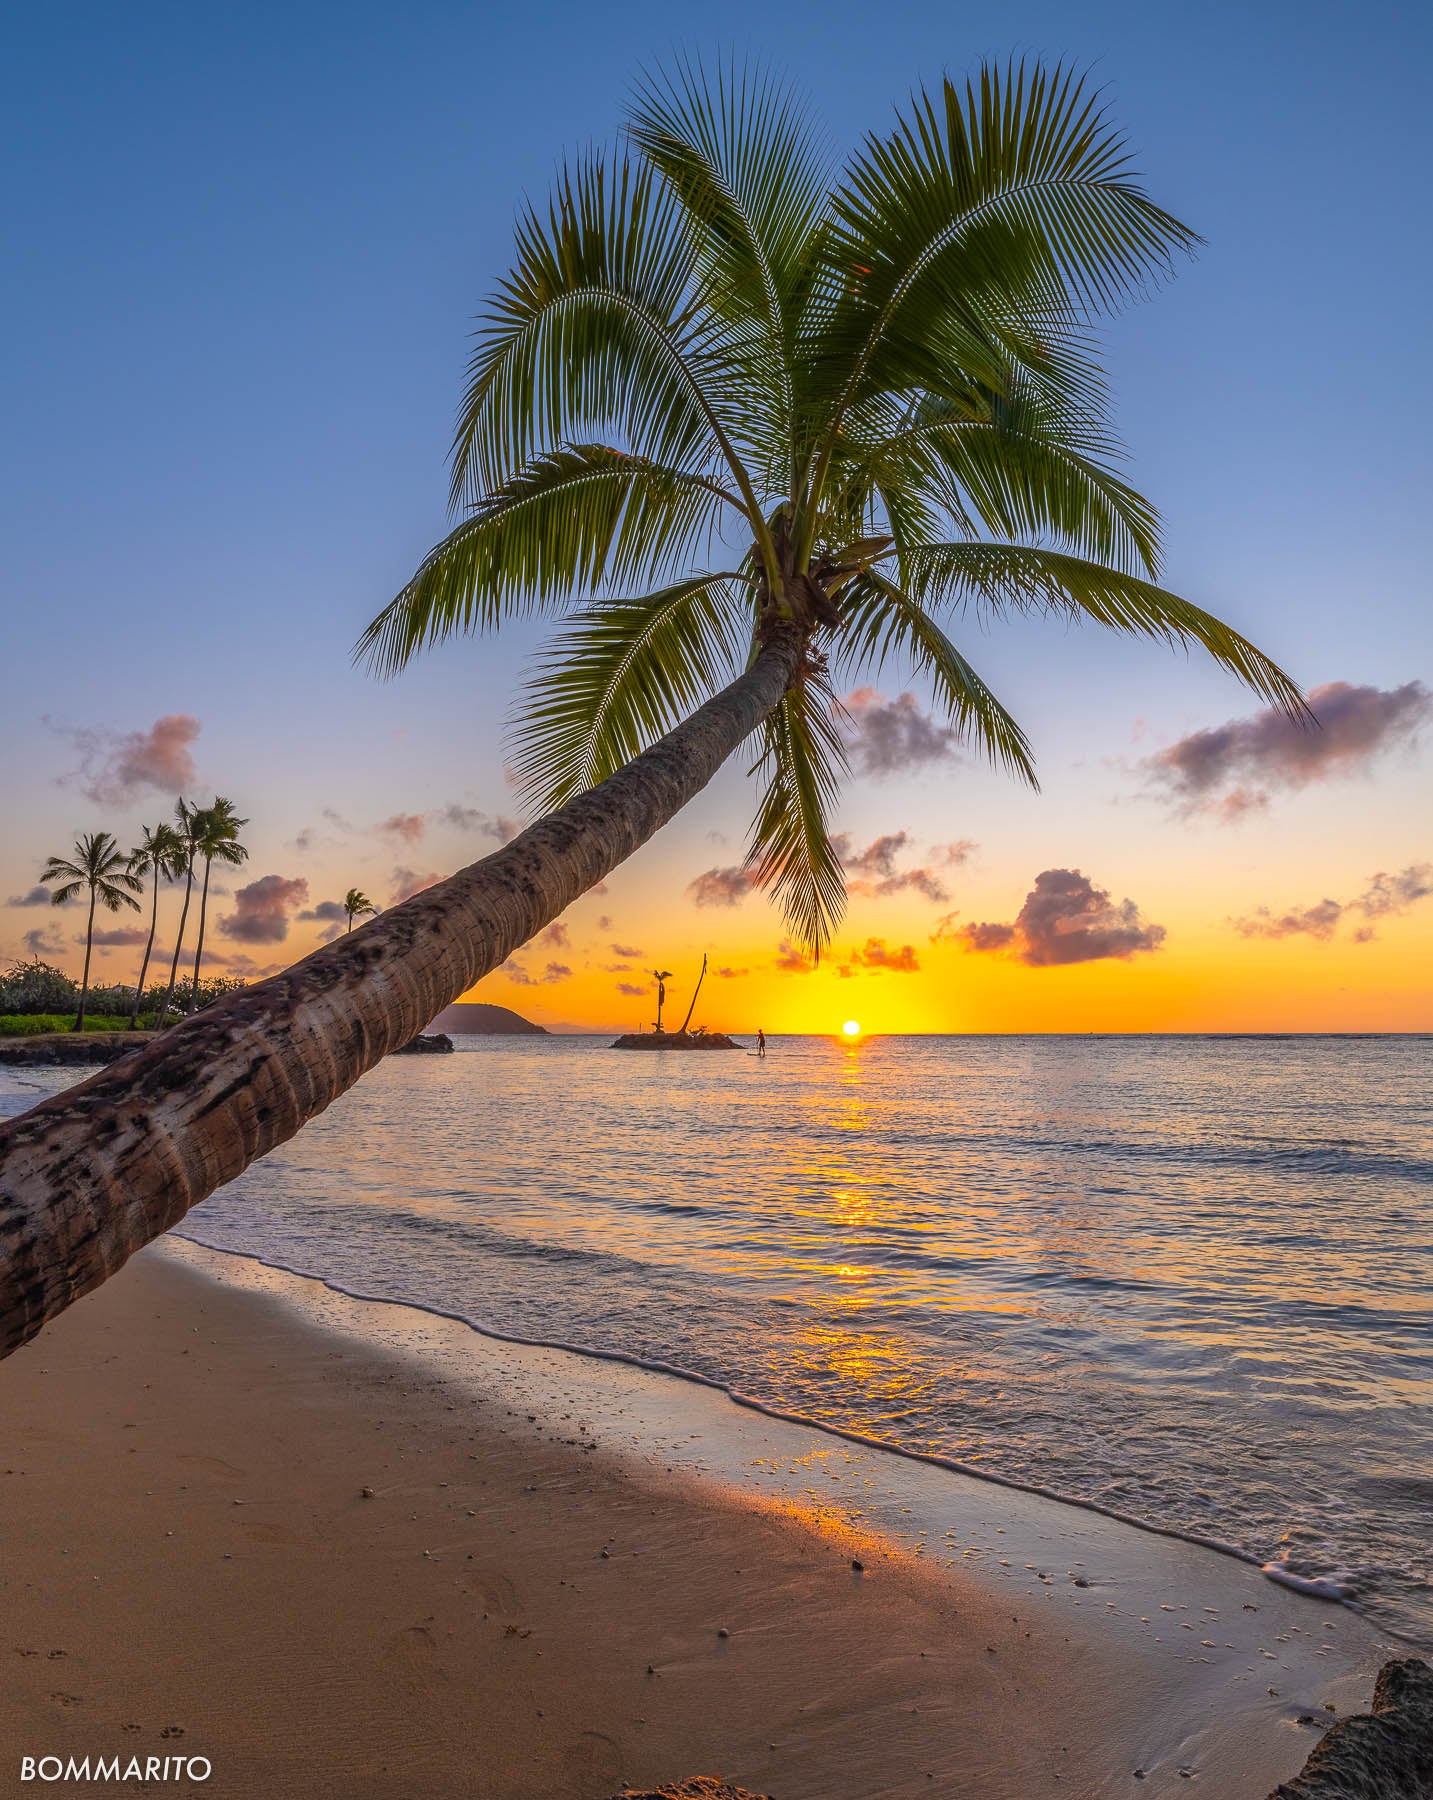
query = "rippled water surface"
x=1187 y=1278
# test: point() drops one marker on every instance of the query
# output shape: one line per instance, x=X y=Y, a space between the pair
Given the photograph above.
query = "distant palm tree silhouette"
x=358 y=906
x=162 y=851
x=184 y=817
x=216 y=839
x=661 y=977
x=99 y=865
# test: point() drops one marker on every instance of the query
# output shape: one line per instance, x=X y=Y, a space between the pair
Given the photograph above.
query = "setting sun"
x=851 y=1028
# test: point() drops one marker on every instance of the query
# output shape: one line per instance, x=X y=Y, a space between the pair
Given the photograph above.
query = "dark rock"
x=1386 y=1754
x=675 y=1040
x=440 y=1044
x=700 y=1787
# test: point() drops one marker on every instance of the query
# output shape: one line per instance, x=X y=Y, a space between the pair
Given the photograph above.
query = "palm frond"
x=1019 y=577
x=1012 y=465
x=572 y=519
x=879 y=621
x=803 y=762
x=988 y=216
x=619 y=676
x=752 y=181
x=593 y=334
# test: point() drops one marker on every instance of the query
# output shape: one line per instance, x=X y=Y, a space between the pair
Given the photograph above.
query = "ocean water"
x=1189 y=1280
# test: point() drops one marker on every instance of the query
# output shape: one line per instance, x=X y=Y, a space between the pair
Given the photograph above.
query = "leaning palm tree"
x=752 y=425
x=99 y=866
x=216 y=839
x=357 y=905
x=185 y=816
x=162 y=852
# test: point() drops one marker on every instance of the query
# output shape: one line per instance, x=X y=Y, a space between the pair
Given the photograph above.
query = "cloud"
x=337 y=820
x=119 y=937
x=873 y=871
x=878 y=954
x=945 y=928
x=117 y=767
x=634 y=988
x=1318 y=921
x=261 y=910
x=555 y=971
x=957 y=854
x=792 y=960
x=43 y=941
x=894 y=737
x=249 y=970
x=721 y=887
x=1066 y=919
x=37 y=896
x=625 y=950
x=408 y=882
x=1231 y=770
x=1391 y=894
x=469 y=818
x=407 y=827
x=1385 y=897
x=555 y=937
x=327 y=912
x=730 y=974
x=604 y=923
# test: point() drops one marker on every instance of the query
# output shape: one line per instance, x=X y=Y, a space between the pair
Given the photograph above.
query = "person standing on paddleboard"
x=760 y=1042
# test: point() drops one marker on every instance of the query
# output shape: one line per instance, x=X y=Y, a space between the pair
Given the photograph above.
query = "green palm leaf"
x=574 y=518
x=1020 y=578
x=803 y=762
x=879 y=621
x=619 y=676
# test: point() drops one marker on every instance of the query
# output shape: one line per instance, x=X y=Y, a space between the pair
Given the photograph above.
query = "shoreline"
x=520 y=1566
x=1322 y=1591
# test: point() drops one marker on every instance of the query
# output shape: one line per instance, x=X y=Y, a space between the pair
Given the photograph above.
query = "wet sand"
x=345 y=1549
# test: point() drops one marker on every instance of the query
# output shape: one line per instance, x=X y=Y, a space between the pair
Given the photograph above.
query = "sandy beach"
x=338 y=1548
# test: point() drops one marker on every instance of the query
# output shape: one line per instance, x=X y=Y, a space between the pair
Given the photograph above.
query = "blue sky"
x=244 y=249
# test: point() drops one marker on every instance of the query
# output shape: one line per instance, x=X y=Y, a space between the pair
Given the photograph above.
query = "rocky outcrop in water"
x=675 y=1040
x=1386 y=1754
x=436 y=1044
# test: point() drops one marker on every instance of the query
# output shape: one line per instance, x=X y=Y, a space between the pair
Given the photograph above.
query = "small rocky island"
x=683 y=1039
x=675 y=1040
x=478 y=1018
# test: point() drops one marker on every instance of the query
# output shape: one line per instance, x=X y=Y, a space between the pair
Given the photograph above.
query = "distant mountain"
x=476 y=1019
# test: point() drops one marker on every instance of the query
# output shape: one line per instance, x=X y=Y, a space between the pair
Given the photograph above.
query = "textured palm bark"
x=92 y=1175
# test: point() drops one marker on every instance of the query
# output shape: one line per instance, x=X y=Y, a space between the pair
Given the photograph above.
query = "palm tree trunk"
x=92 y=1174
x=85 y=978
x=148 y=952
x=695 y=991
x=199 y=948
x=178 y=945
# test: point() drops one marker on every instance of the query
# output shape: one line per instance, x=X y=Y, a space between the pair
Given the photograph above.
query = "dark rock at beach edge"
x=438 y=1044
x=70 y=1047
x=1386 y=1754
x=675 y=1040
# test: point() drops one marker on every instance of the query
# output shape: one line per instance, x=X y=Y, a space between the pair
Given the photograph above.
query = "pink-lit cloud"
x=35 y=896
x=1066 y=919
x=408 y=882
x=262 y=909
x=876 y=953
x=1386 y=896
x=894 y=737
x=793 y=960
x=872 y=872
x=1231 y=771
x=721 y=887
x=119 y=768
